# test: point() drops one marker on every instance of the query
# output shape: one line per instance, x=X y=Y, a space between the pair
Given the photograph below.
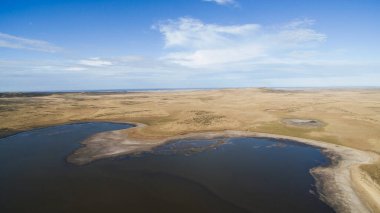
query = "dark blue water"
x=221 y=175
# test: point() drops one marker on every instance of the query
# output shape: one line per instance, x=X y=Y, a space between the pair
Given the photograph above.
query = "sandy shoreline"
x=341 y=184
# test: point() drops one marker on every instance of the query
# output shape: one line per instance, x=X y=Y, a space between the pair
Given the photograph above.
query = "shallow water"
x=221 y=175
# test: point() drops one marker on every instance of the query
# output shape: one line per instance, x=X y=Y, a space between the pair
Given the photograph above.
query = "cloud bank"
x=15 y=42
x=95 y=62
x=191 y=43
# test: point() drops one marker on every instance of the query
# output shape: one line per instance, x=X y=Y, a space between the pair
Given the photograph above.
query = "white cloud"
x=95 y=62
x=299 y=23
x=190 y=42
x=15 y=42
x=223 y=2
x=188 y=32
x=75 y=69
x=130 y=58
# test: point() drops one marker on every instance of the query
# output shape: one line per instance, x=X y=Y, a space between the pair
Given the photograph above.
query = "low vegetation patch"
x=205 y=118
x=373 y=171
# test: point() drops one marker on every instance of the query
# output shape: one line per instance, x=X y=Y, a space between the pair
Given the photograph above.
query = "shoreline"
x=12 y=133
x=340 y=184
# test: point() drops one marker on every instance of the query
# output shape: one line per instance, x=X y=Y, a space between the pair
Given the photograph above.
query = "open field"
x=349 y=118
x=352 y=118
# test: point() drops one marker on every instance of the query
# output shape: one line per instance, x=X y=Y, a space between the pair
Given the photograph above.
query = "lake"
x=218 y=175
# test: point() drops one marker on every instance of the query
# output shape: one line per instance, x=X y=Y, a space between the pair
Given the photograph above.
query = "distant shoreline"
x=105 y=91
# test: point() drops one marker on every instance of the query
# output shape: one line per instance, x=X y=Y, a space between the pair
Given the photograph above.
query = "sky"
x=49 y=45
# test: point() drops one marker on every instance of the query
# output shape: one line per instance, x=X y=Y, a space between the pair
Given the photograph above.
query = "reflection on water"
x=220 y=175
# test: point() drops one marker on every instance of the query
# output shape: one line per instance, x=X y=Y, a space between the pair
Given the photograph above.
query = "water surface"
x=220 y=175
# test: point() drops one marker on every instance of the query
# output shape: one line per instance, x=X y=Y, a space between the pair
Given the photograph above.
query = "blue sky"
x=78 y=44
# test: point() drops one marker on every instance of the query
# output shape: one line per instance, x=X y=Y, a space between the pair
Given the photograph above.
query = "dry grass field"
x=350 y=117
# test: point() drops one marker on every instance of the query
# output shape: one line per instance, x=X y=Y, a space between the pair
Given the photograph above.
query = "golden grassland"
x=350 y=117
